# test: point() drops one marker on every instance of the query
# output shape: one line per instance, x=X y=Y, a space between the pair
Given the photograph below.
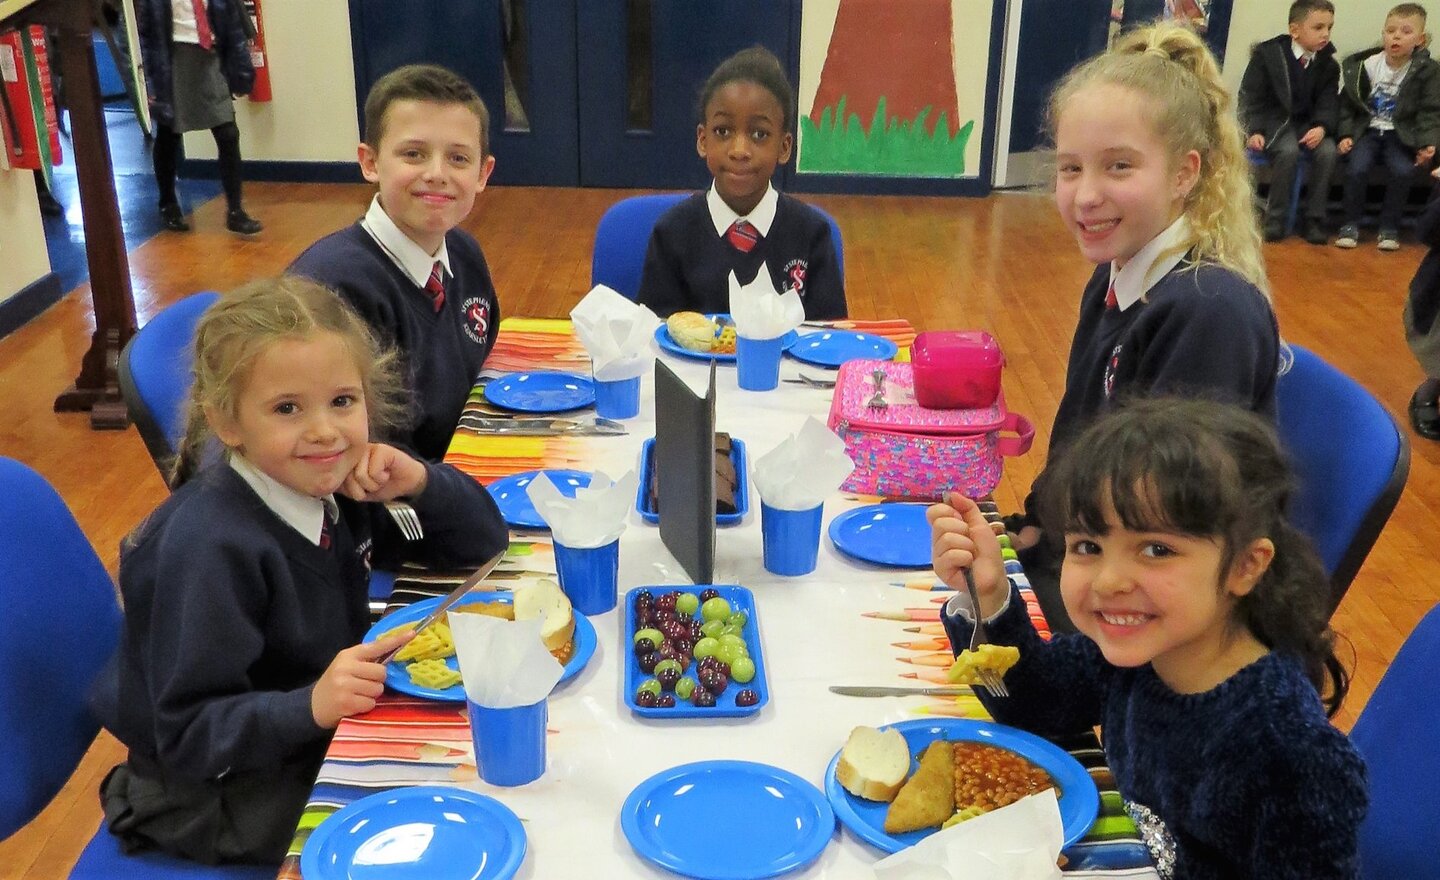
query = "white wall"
x=23 y=259
x=312 y=117
x=1357 y=26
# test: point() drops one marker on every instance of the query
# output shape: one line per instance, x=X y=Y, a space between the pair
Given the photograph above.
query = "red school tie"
x=325 y=531
x=742 y=236
x=1304 y=61
x=1110 y=300
x=202 y=24
x=436 y=286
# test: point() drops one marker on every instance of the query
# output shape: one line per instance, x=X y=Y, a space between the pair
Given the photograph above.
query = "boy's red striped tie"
x=202 y=25
x=742 y=236
x=1110 y=300
x=436 y=286
x=325 y=532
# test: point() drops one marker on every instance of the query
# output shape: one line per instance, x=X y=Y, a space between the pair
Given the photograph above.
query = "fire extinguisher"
x=261 y=89
x=28 y=124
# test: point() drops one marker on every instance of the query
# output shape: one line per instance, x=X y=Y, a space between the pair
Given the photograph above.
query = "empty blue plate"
x=834 y=347
x=727 y=820
x=418 y=833
x=541 y=392
x=886 y=534
x=514 y=502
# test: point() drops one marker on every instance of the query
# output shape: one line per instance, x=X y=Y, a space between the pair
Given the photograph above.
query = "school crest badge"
x=794 y=277
x=1111 y=366
x=477 y=319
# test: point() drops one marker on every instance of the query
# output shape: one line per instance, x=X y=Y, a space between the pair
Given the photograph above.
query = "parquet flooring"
x=1002 y=263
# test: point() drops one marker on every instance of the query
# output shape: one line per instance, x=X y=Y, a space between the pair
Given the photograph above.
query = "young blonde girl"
x=246 y=591
x=1153 y=183
x=1203 y=645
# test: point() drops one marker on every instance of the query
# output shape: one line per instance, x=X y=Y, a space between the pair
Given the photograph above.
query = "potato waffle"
x=724 y=341
x=968 y=664
x=432 y=673
x=434 y=642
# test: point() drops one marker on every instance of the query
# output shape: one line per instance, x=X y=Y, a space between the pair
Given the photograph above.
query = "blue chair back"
x=155 y=376
x=1350 y=460
x=623 y=236
x=59 y=624
x=1398 y=733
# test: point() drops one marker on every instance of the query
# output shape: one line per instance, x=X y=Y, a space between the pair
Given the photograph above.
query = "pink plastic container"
x=956 y=369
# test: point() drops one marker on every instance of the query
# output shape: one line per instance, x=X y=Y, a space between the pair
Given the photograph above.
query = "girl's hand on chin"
x=384 y=473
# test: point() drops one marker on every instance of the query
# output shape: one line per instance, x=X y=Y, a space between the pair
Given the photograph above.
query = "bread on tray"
x=873 y=764
x=691 y=330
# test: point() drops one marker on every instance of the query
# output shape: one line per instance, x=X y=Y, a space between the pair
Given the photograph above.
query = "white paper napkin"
x=504 y=662
x=1018 y=842
x=759 y=312
x=615 y=332
x=593 y=518
x=804 y=469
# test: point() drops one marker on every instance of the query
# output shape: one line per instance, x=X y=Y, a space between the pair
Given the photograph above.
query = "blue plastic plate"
x=417 y=833
x=886 y=534
x=668 y=343
x=1079 y=801
x=740 y=599
x=541 y=392
x=398 y=680
x=514 y=503
x=727 y=820
x=742 y=485
x=832 y=348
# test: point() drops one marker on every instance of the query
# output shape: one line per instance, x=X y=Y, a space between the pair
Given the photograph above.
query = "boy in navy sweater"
x=1288 y=104
x=742 y=221
x=417 y=279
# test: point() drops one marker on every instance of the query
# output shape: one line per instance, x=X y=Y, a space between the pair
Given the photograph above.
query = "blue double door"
x=581 y=92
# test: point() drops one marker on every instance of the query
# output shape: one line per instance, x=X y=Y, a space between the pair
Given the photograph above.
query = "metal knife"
x=849 y=691
x=541 y=427
x=455 y=596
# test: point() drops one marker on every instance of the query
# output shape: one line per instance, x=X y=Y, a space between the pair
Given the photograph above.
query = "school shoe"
x=237 y=221
x=1349 y=236
x=1274 y=232
x=173 y=218
x=1315 y=232
x=1425 y=418
x=1389 y=240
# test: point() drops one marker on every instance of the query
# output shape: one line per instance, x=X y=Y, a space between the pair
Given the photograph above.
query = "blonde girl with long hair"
x=1152 y=180
x=246 y=591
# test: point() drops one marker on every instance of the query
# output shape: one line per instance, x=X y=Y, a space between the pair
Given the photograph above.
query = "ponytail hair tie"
x=1158 y=51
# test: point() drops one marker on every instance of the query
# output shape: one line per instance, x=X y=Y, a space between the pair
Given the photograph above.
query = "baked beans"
x=989 y=777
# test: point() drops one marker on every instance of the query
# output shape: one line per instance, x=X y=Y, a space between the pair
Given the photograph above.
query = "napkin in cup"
x=803 y=470
x=1018 y=842
x=615 y=332
x=593 y=518
x=758 y=312
x=504 y=662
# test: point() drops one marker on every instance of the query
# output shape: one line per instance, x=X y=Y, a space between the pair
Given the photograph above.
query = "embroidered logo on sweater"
x=363 y=551
x=795 y=276
x=1111 y=366
x=477 y=319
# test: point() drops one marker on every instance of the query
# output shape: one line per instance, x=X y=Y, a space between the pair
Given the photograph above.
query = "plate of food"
x=693 y=652
x=514 y=502
x=732 y=485
x=705 y=337
x=831 y=348
x=541 y=392
x=892 y=533
x=431 y=832
x=426 y=666
x=894 y=785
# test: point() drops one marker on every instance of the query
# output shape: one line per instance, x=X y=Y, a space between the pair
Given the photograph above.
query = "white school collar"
x=303 y=513
x=1299 y=52
x=722 y=215
x=409 y=256
x=1147 y=266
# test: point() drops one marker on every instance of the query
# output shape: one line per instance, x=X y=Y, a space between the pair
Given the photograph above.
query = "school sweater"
x=443 y=351
x=1276 y=92
x=231 y=616
x=1247 y=780
x=688 y=266
x=1201 y=331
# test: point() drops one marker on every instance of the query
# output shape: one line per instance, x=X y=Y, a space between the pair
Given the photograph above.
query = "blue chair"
x=155 y=376
x=623 y=236
x=1258 y=159
x=1398 y=734
x=1350 y=459
x=60 y=626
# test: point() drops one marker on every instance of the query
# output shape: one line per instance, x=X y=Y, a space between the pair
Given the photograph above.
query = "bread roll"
x=545 y=599
x=873 y=763
x=691 y=330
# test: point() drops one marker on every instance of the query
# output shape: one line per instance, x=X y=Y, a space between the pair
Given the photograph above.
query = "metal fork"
x=406 y=518
x=877 y=401
x=989 y=679
x=802 y=379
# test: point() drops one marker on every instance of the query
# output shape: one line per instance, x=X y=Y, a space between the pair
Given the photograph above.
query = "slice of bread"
x=928 y=799
x=691 y=330
x=873 y=763
x=545 y=599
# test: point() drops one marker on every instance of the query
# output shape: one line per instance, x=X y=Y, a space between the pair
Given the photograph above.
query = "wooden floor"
x=1002 y=263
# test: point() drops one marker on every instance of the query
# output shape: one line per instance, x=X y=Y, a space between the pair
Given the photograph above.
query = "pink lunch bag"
x=904 y=450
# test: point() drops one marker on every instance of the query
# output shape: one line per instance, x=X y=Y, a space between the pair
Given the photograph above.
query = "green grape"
x=728 y=630
x=687 y=603
x=654 y=635
x=705 y=647
x=683 y=688
x=668 y=664
x=737 y=641
x=715 y=609
x=712 y=628
x=742 y=669
x=650 y=685
x=727 y=653
x=738 y=620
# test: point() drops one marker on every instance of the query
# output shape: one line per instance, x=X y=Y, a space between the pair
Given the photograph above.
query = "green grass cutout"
x=839 y=144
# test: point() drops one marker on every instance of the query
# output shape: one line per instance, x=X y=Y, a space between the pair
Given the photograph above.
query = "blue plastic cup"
x=619 y=399
x=590 y=576
x=757 y=361
x=509 y=743
x=791 y=539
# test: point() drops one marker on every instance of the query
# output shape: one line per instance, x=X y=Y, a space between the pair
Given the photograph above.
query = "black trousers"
x=166 y=156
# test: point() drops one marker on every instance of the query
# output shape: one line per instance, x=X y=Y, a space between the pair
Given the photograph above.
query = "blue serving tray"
x=742 y=484
x=740 y=599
